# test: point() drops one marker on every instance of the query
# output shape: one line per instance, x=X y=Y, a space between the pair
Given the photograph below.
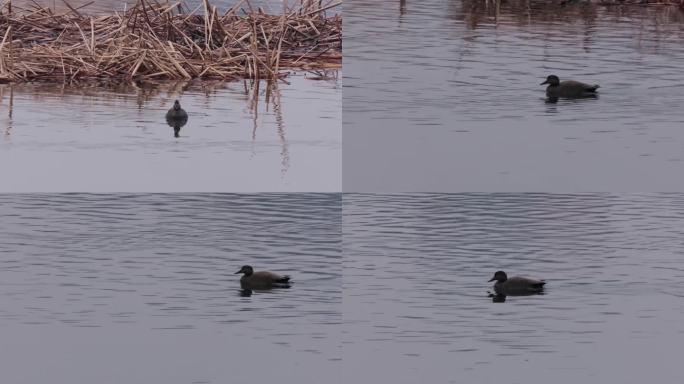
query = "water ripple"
x=415 y=284
x=453 y=87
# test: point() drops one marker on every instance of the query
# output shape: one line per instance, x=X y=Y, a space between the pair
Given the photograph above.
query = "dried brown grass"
x=153 y=41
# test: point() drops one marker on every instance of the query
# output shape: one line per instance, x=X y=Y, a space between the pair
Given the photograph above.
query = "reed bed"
x=153 y=41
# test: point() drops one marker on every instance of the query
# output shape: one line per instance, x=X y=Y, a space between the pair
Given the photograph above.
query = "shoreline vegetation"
x=152 y=41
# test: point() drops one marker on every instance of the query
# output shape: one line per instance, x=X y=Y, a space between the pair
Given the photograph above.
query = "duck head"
x=176 y=105
x=551 y=80
x=246 y=269
x=499 y=276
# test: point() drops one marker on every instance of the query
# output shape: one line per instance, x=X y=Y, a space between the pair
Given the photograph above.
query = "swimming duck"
x=516 y=284
x=568 y=88
x=262 y=279
x=176 y=116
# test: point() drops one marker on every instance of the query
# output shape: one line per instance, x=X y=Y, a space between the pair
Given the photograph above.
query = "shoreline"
x=152 y=41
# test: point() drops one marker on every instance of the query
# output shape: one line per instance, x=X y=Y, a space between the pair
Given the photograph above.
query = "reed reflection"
x=10 y=107
x=271 y=98
x=480 y=13
x=263 y=100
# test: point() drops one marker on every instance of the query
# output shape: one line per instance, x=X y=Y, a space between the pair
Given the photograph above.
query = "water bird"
x=568 y=88
x=176 y=117
x=262 y=279
x=516 y=285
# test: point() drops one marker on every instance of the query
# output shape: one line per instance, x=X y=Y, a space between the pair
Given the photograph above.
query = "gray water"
x=416 y=305
x=140 y=288
x=240 y=137
x=445 y=96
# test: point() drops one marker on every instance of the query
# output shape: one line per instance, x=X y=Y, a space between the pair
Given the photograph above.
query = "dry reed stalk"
x=4 y=76
x=72 y=9
x=152 y=40
x=11 y=39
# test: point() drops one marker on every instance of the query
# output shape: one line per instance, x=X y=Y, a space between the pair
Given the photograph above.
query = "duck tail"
x=284 y=279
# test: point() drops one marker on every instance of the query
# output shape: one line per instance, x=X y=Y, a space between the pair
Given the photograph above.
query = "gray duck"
x=176 y=116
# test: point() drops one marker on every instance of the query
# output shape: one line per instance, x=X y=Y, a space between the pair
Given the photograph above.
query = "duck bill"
x=545 y=82
x=240 y=271
x=492 y=279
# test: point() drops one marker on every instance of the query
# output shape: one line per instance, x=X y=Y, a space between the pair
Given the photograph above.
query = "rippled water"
x=445 y=96
x=240 y=137
x=140 y=288
x=416 y=307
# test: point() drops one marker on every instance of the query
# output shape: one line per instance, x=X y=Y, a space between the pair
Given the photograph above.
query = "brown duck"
x=568 y=88
x=262 y=279
x=516 y=285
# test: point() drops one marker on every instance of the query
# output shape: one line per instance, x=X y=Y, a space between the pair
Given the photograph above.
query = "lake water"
x=240 y=137
x=416 y=305
x=140 y=288
x=445 y=96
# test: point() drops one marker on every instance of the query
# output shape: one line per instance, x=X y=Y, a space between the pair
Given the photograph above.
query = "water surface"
x=240 y=137
x=416 y=305
x=445 y=96
x=140 y=288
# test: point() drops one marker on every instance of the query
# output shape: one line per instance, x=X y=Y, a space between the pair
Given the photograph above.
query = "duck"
x=516 y=285
x=262 y=279
x=568 y=88
x=176 y=116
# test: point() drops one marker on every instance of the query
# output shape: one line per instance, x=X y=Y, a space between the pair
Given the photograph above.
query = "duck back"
x=571 y=88
x=265 y=279
x=519 y=285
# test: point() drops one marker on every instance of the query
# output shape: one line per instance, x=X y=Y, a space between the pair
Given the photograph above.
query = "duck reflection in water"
x=554 y=99
x=176 y=117
x=501 y=297
x=247 y=290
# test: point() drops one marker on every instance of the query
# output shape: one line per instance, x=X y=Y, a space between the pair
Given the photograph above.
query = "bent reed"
x=153 y=41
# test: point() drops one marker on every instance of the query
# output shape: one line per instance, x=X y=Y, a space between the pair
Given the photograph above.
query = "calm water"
x=415 y=288
x=140 y=288
x=445 y=96
x=239 y=137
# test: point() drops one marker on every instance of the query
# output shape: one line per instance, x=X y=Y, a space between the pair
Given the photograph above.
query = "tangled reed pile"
x=153 y=41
